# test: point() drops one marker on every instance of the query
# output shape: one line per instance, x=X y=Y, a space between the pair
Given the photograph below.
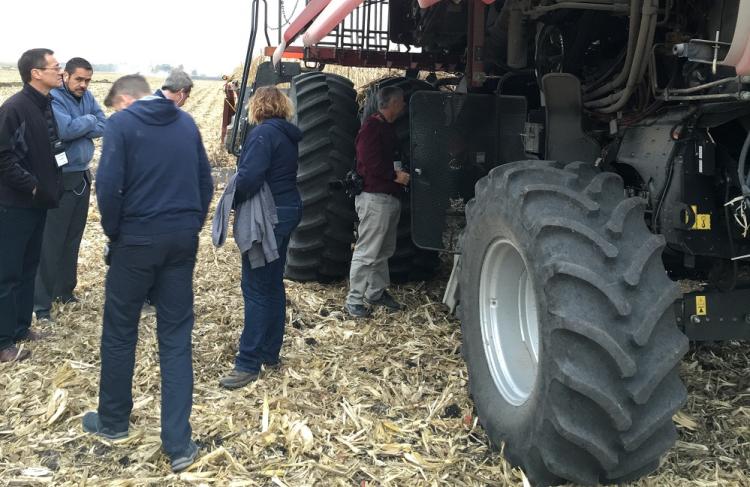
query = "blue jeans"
x=21 y=232
x=162 y=265
x=265 y=300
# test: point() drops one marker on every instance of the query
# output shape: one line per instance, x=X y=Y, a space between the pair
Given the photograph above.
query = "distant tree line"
x=166 y=68
x=113 y=68
x=108 y=68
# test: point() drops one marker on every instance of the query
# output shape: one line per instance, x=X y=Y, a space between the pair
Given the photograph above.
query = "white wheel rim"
x=509 y=322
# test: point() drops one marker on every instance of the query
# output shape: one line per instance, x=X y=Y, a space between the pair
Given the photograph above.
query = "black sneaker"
x=44 y=318
x=357 y=310
x=387 y=301
x=185 y=459
x=237 y=379
x=92 y=424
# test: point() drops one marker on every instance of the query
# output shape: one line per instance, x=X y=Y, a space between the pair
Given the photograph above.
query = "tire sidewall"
x=518 y=421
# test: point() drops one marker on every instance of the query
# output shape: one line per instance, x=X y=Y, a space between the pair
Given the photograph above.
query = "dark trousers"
x=265 y=301
x=58 y=268
x=164 y=264
x=21 y=232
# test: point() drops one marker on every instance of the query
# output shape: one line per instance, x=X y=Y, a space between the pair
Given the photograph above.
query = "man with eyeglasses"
x=31 y=157
x=80 y=120
x=176 y=87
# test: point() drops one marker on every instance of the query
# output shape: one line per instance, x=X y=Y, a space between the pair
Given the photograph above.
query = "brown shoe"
x=34 y=336
x=12 y=354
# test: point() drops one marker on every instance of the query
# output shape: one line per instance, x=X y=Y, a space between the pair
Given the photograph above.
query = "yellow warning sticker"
x=702 y=220
x=700 y=305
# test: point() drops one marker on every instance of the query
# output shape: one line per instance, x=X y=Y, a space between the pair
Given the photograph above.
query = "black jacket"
x=27 y=160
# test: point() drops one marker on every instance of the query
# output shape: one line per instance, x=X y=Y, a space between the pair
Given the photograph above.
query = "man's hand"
x=33 y=191
x=402 y=178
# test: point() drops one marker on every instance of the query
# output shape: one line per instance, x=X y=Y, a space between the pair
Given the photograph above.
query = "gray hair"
x=134 y=85
x=178 y=80
x=388 y=93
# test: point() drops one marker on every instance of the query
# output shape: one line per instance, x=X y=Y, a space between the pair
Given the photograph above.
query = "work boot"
x=185 y=459
x=92 y=424
x=237 y=379
x=13 y=354
x=387 y=301
x=357 y=310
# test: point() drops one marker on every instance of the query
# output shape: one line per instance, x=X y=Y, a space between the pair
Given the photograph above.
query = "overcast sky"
x=209 y=36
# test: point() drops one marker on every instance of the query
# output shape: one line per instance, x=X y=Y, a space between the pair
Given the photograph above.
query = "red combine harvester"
x=578 y=158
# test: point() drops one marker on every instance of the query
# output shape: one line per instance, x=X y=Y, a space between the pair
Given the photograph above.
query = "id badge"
x=61 y=159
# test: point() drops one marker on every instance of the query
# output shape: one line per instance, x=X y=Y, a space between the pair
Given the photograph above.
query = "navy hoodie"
x=270 y=155
x=153 y=176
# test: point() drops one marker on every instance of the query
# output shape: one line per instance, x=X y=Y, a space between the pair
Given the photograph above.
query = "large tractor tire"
x=409 y=262
x=568 y=325
x=320 y=249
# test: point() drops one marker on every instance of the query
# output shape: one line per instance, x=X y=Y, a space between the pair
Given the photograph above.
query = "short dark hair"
x=388 y=93
x=77 y=62
x=32 y=59
x=134 y=85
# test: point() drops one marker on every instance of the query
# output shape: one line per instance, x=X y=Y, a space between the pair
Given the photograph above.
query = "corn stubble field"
x=376 y=402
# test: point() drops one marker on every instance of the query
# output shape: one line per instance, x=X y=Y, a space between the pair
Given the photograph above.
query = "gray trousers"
x=56 y=276
x=378 y=224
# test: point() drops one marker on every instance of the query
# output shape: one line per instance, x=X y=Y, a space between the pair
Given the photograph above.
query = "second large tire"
x=568 y=325
x=320 y=249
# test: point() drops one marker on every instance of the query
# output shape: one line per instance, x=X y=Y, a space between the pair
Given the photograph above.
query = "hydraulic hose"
x=638 y=75
x=607 y=74
x=623 y=75
x=646 y=34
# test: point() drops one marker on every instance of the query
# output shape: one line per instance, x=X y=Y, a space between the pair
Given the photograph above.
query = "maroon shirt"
x=376 y=144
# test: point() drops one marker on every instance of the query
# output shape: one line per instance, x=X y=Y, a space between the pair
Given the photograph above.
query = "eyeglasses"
x=56 y=68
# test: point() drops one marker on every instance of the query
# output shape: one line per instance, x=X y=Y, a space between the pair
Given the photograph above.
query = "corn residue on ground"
x=381 y=401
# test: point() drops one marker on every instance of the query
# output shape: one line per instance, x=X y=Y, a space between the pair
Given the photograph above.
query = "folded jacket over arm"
x=254 y=221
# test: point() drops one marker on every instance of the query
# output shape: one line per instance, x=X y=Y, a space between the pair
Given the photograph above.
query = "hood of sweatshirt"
x=155 y=111
x=289 y=129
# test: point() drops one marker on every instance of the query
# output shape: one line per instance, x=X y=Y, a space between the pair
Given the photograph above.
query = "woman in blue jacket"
x=269 y=155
